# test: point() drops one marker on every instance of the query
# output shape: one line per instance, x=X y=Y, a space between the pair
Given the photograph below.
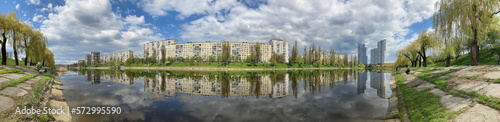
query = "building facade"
x=378 y=54
x=95 y=57
x=151 y=47
x=281 y=47
x=362 y=54
x=206 y=49
x=122 y=56
x=88 y=59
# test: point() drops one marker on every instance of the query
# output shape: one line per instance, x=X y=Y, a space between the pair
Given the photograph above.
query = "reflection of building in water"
x=280 y=89
x=170 y=85
x=118 y=77
x=362 y=82
x=92 y=77
x=377 y=81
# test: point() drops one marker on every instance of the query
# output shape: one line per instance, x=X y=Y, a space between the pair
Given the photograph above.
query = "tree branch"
x=494 y=13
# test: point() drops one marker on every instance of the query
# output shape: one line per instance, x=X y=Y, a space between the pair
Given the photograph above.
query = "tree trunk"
x=27 y=52
x=15 y=53
x=448 y=62
x=419 y=62
x=474 y=52
x=425 y=59
x=4 y=53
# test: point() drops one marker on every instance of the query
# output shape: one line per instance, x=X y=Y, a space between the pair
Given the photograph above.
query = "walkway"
x=479 y=79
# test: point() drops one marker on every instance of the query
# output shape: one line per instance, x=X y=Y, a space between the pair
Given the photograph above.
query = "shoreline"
x=220 y=69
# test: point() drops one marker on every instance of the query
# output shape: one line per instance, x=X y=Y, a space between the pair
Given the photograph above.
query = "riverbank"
x=465 y=93
x=221 y=69
x=24 y=87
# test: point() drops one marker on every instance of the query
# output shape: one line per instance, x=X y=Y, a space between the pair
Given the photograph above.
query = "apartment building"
x=362 y=54
x=122 y=56
x=281 y=47
x=206 y=49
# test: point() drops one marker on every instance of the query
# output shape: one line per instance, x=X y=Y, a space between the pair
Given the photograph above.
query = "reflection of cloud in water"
x=315 y=100
x=333 y=105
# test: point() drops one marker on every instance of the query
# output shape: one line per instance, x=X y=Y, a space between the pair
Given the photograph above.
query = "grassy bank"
x=12 y=62
x=423 y=105
x=486 y=57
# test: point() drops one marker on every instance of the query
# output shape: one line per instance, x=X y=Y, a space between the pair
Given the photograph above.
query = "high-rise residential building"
x=378 y=54
x=88 y=59
x=363 y=59
x=121 y=56
x=281 y=47
x=95 y=57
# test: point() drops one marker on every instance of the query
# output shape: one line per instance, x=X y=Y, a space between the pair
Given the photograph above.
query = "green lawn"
x=486 y=57
x=12 y=62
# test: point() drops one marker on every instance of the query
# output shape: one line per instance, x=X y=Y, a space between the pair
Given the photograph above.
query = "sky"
x=77 y=27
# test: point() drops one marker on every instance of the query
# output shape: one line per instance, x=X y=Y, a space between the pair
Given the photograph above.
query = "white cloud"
x=132 y=19
x=79 y=27
x=49 y=5
x=38 y=18
x=330 y=24
x=186 y=7
x=17 y=6
x=36 y=2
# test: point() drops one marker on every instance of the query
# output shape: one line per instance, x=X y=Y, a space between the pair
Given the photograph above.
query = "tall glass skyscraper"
x=362 y=54
x=378 y=54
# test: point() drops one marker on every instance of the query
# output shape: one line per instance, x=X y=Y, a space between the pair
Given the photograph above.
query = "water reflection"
x=316 y=95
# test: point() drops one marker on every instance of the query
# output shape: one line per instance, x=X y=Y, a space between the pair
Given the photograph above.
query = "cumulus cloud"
x=186 y=7
x=38 y=18
x=331 y=24
x=36 y=2
x=17 y=6
x=132 y=19
x=79 y=27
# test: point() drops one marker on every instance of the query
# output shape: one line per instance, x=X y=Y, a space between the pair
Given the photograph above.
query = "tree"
x=305 y=55
x=258 y=52
x=346 y=59
x=226 y=52
x=163 y=54
x=425 y=41
x=332 y=57
x=15 y=30
x=211 y=59
x=5 y=27
x=410 y=52
x=153 y=60
x=465 y=18
x=28 y=40
x=295 y=53
x=129 y=61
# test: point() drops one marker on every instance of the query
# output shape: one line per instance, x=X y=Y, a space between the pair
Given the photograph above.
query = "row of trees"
x=23 y=38
x=459 y=26
x=317 y=57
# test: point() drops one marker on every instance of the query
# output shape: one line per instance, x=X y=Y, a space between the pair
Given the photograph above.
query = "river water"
x=309 y=95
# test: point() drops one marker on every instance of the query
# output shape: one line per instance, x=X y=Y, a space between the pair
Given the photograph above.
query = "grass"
x=423 y=105
x=486 y=57
x=497 y=81
x=12 y=62
x=11 y=71
x=483 y=99
x=440 y=83
x=15 y=82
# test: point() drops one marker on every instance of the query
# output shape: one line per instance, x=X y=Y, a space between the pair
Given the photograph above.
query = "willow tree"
x=465 y=19
x=27 y=40
x=410 y=52
x=15 y=30
x=425 y=41
x=4 y=30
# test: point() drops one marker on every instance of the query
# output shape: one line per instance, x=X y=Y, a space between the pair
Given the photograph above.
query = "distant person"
x=407 y=70
x=498 y=56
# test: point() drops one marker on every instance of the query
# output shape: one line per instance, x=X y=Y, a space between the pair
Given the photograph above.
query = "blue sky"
x=77 y=27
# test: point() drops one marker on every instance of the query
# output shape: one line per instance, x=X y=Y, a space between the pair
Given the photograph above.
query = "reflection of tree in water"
x=225 y=84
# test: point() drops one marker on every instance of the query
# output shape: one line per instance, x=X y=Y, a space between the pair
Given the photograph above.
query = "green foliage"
x=486 y=57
